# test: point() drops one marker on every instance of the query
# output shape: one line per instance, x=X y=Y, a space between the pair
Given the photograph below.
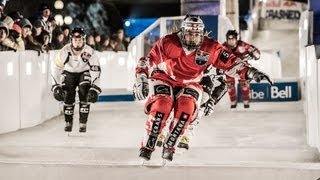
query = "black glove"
x=93 y=94
x=256 y=75
x=208 y=107
x=141 y=87
x=58 y=92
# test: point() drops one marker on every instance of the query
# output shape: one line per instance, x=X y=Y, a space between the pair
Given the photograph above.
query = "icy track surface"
x=268 y=139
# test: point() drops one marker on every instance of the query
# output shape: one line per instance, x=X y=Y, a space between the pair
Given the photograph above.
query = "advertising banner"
x=279 y=91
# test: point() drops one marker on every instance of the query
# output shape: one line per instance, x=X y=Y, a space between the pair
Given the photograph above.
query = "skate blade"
x=148 y=164
x=71 y=134
x=181 y=151
x=68 y=133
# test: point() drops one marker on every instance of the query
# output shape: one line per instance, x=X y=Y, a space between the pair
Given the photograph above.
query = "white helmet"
x=192 y=24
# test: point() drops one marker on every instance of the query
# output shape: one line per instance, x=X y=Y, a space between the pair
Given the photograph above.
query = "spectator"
x=30 y=40
x=105 y=43
x=58 y=39
x=13 y=40
x=97 y=41
x=117 y=44
x=16 y=16
x=122 y=39
x=9 y=21
x=91 y=42
x=26 y=27
x=2 y=5
x=66 y=32
x=44 y=40
x=44 y=16
x=4 y=32
x=37 y=28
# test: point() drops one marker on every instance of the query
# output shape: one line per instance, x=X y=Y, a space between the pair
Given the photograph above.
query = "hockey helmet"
x=77 y=33
x=192 y=32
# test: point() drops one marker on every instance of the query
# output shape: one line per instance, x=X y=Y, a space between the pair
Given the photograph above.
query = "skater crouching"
x=76 y=66
x=171 y=75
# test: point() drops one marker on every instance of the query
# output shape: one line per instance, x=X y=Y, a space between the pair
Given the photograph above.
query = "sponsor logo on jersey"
x=202 y=57
x=85 y=56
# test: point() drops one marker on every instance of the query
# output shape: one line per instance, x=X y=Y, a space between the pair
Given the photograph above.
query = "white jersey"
x=65 y=60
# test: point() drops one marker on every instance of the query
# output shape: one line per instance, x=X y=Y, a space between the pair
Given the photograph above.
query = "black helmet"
x=78 y=30
x=232 y=33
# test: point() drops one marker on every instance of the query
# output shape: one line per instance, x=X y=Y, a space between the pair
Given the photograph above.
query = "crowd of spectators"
x=42 y=33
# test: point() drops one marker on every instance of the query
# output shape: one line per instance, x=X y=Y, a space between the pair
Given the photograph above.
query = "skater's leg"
x=158 y=108
x=232 y=91
x=68 y=110
x=69 y=86
x=186 y=105
x=245 y=92
x=84 y=106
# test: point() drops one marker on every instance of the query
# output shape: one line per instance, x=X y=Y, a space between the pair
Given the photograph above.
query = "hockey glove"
x=256 y=75
x=141 y=87
x=208 y=107
x=58 y=92
x=93 y=94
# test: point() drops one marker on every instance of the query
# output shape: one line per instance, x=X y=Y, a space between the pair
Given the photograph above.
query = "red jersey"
x=243 y=49
x=169 y=61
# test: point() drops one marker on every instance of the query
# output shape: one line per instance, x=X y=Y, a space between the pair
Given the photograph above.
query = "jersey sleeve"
x=95 y=68
x=252 y=50
x=156 y=55
x=142 y=66
x=228 y=62
x=58 y=65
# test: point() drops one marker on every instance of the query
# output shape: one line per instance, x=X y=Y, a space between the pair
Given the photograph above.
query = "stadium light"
x=58 y=4
x=68 y=20
x=127 y=23
x=59 y=19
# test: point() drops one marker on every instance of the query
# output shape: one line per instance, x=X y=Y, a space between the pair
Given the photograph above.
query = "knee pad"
x=84 y=109
x=160 y=95
x=84 y=86
x=68 y=110
x=83 y=91
x=186 y=105
x=245 y=89
x=70 y=96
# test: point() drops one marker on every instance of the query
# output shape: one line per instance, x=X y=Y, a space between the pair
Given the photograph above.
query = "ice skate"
x=82 y=128
x=184 y=143
x=167 y=154
x=68 y=127
x=233 y=104
x=246 y=104
x=160 y=140
x=145 y=153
